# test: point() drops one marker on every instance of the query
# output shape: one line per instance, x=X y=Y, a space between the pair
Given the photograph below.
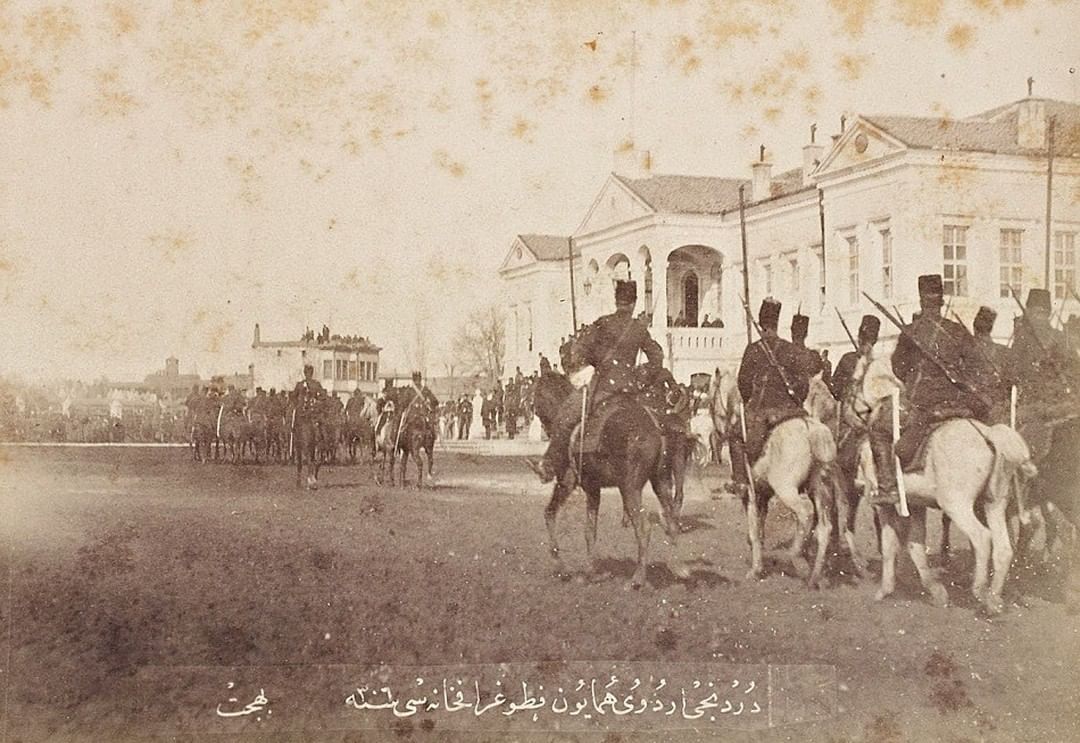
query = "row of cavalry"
x=278 y=429
x=981 y=477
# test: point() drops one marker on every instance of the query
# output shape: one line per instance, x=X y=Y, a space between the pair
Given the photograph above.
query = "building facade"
x=891 y=198
x=342 y=364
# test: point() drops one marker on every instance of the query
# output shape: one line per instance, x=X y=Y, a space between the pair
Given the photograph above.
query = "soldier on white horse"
x=790 y=452
x=949 y=456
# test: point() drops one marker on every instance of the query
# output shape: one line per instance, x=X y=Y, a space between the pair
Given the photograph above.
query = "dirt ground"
x=145 y=595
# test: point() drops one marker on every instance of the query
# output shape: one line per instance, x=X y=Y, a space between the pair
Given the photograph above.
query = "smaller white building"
x=342 y=363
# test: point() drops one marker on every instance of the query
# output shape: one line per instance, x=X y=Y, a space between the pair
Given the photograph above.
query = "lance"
x=844 y=324
x=1038 y=341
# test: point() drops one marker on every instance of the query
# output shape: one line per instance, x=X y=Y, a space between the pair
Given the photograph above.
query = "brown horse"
x=633 y=452
x=409 y=428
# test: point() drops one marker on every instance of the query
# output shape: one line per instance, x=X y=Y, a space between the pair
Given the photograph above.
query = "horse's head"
x=548 y=393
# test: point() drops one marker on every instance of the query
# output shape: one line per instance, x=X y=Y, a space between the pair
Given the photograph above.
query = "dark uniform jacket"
x=308 y=393
x=842 y=376
x=928 y=387
x=611 y=346
x=995 y=375
x=762 y=385
x=1044 y=366
x=810 y=364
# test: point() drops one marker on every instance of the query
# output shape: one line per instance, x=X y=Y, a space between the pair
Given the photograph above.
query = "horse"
x=407 y=427
x=232 y=430
x=723 y=409
x=202 y=433
x=633 y=452
x=966 y=462
x=331 y=429
x=799 y=455
x=361 y=415
x=304 y=438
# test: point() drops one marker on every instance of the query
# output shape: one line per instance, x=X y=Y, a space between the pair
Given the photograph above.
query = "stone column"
x=659 y=287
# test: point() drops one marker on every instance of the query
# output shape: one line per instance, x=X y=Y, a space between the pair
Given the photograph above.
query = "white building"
x=342 y=364
x=898 y=197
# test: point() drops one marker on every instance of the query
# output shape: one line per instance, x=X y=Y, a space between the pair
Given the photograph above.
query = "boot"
x=887 y=493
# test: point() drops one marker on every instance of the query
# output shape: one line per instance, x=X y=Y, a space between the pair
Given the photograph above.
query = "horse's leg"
x=824 y=498
x=592 y=510
x=891 y=533
x=800 y=504
x=754 y=530
x=980 y=537
x=661 y=484
x=551 y=512
x=404 y=463
x=631 y=497
x=1002 y=553
x=418 y=455
x=847 y=513
x=916 y=544
x=946 y=524
x=298 y=455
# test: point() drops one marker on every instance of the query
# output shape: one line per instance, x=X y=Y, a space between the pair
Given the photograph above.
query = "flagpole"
x=573 y=299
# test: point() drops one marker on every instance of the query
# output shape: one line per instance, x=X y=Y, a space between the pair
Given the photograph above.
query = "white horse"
x=965 y=461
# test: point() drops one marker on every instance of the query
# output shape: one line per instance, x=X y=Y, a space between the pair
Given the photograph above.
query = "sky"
x=172 y=172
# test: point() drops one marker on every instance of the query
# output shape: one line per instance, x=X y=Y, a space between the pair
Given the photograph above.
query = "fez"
x=769 y=314
x=930 y=287
x=800 y=326
x=868 y=329
x=984 y=320
x=625 y=292
x=1038 y=299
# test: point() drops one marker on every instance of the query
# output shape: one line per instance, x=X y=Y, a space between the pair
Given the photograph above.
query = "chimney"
x=255 y=342
x=1031 y=123
x=172 y=367
x=762 y=185
x=811 y=156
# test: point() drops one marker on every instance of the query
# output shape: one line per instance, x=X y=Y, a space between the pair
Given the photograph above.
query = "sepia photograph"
x=570 y=371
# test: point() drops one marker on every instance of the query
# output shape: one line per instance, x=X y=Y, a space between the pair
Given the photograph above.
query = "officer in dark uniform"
x=842 y=380
x=771 y=380
x=428 y=402
x=308 y=394
x=610 y=345
x=810 y=361
x=937 y=361
x=994 y=375
x=1046 y=373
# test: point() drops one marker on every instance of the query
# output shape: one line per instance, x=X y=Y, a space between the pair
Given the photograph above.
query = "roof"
x=686 y=194
x=994 y=130
x=548 y=247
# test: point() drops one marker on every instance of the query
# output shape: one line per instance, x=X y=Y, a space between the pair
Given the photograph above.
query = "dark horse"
x=304 y=438
x=409 y=428
x=632 y=452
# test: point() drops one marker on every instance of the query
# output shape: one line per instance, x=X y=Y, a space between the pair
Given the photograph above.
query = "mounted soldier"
x=810 y=360
x=428 y=404
x=771 y=379
x=1047 y=374
x=995 y=373
x=937 y=361
x=609 y=347
x=307 y=394
x=846 y=385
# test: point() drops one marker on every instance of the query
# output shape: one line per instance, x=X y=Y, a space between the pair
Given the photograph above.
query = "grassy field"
x=143 y=592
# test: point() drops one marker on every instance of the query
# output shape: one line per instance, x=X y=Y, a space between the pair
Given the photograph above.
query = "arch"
x=618 y=266
x=592 y=271
x=694 y=278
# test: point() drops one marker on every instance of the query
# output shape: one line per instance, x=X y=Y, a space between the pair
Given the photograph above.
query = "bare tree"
x=480 y=344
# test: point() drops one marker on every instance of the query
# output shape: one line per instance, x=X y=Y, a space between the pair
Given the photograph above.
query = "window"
x=1010 y=261
x=886 y=262
x=954 y=264
x=1064 y=264
x=766 y=277
x=352 y=370
x=853 y=268
x=794 y=282
x=328 y=369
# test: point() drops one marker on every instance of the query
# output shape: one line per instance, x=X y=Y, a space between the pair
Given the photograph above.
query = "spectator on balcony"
x=680 y=321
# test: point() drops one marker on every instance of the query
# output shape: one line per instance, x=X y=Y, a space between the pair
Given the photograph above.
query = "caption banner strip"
x=544 y=696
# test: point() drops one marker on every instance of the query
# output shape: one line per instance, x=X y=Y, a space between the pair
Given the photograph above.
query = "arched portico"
x=694 y=285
